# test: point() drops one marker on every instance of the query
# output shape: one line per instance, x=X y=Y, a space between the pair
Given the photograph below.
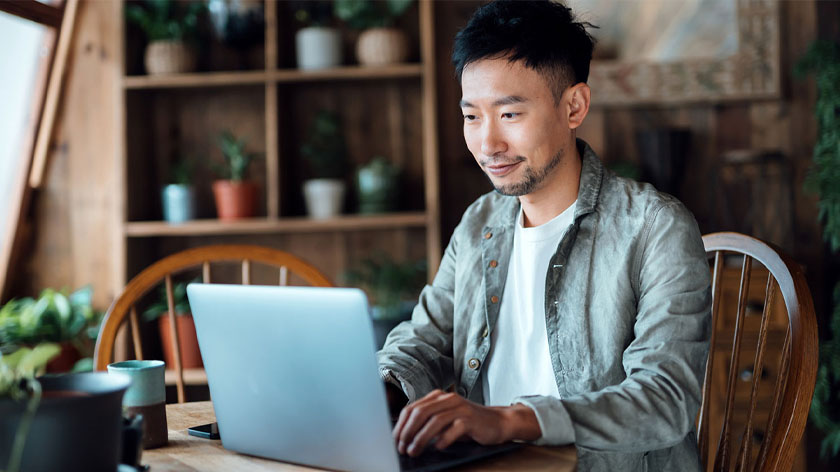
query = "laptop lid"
x=293 y=375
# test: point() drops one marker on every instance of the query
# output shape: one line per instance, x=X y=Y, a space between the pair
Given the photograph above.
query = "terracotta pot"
x=381 y=46
x=235 y=200
x=190 y=354
x=65 y=360
x=169 y=57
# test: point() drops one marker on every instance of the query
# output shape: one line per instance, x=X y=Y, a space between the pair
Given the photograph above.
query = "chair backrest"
x=163 y=270
x=773 y=358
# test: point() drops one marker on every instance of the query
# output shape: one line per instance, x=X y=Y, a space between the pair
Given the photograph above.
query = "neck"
x=557 y=193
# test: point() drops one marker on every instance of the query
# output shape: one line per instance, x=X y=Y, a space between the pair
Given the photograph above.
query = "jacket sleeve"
x=657 y=403
x=417 y=356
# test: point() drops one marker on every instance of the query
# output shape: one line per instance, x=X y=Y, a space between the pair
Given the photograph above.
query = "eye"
x=469 y=117
x=509 y=115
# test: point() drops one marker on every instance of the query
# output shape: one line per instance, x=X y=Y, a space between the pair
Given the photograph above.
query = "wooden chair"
x=190 y=259
x=788 y=330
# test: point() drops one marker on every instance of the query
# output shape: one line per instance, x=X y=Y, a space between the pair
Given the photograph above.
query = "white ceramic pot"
x=324 y=197
x=381 y=46
x=169 y=57
x=318 y=47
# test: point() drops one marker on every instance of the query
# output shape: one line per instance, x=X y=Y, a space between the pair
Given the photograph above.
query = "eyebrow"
x=509 y=100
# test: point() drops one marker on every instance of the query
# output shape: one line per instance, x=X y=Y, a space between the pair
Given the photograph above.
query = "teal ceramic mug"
x=146 y=396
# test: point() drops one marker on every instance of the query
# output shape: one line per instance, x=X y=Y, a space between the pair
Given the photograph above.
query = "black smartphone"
x=206 y=431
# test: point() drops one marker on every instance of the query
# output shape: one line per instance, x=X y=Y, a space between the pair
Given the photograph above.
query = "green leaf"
x=83 y=365
x=35 y=360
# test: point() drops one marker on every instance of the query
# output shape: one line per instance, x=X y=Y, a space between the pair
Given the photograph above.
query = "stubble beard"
x=532 y=179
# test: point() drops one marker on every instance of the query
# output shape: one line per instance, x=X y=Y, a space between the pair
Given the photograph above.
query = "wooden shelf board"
x=222 y=79
x=281 y=225
x=198 y=79
x=191 y=377
x=347 y=72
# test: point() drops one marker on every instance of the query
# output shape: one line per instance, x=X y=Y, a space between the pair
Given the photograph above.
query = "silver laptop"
x=293 y=376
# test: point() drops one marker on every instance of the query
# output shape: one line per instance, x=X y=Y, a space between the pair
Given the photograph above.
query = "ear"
x=577 y=104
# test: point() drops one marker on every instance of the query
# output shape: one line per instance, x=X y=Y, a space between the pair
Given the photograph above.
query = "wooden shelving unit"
x=388 y=111
x=284 y=225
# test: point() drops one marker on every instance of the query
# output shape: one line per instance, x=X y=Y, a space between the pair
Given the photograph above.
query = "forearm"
x=519 y=423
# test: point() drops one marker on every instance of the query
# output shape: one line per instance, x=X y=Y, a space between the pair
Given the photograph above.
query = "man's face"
x=512 y=125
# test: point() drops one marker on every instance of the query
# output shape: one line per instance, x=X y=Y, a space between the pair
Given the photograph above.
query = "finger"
x=431 y=429
x=408 y=409
x=419 y=415
x=456 y=431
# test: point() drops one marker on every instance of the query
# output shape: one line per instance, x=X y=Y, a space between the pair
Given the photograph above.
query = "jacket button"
x=485 y=333
x=473 y=363
x=494 y=299
x=494 y=263
x=488 y=235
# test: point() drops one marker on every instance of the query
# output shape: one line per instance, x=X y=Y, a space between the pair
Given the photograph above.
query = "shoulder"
x=627 y=198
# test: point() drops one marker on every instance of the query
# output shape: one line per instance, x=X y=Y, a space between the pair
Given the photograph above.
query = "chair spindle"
x=723 y=459
x=173 y=324
x=246 y=272
x=205 y=272
x=135 y=334
x=284 y=276
x=703 y=428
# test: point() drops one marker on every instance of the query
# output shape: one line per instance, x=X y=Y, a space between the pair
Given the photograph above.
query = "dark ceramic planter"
x=70 y=433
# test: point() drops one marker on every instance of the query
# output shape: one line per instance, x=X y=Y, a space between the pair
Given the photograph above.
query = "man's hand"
x=447 y=417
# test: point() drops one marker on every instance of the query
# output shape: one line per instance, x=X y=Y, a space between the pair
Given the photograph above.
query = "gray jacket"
x=627 y=308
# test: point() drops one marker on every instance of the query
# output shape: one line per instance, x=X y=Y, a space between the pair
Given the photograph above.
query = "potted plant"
x=169 y=26
x=392 y=287
x=40 y=418
x=187 y=339
x=379 y=43
x=823 y=61
x=68 y=320
x=324 y=152
x=317 y=45
x=177 y=195
x=235 y=197
x=378 y=185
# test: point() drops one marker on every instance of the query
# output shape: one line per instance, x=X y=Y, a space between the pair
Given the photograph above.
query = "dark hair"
x=542 y=33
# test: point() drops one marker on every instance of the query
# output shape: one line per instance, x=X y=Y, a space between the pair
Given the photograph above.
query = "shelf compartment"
x=347 y=73
x=139 y=229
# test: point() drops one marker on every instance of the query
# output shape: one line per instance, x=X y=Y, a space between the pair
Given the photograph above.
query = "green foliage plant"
x=324 y=147
x=179 y=299
x=164 y=20
x=388 y=283
x=823 y=61
x=181 y=172
x=365 y=14
x=236 y=158
x=18 y=383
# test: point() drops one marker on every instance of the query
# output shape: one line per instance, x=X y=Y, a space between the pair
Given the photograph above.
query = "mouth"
x=499 y=170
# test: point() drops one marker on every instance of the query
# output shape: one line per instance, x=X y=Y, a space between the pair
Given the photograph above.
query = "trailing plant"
x=388 y=283
x=18 y=383
x=324 y=147
x=166 y=19
x=823 y=61
x=236 y=158
x=364 y=14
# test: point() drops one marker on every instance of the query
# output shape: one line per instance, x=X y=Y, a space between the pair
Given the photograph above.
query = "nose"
x=492 y=140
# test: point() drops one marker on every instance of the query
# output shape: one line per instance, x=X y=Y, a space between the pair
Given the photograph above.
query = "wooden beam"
x=33 y=10
x=45 y=129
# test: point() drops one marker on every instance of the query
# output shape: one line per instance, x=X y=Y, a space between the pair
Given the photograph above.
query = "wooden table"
x=188 y=453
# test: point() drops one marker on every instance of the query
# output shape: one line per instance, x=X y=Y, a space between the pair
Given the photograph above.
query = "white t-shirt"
x=519 y=362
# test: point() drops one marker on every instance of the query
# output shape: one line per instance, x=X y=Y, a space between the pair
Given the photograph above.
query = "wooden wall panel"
x=73 y=239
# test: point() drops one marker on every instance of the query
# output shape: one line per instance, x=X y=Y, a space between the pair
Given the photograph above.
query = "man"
x=571 y=305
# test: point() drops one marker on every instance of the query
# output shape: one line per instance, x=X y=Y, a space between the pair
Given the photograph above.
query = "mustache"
x=501 y=161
